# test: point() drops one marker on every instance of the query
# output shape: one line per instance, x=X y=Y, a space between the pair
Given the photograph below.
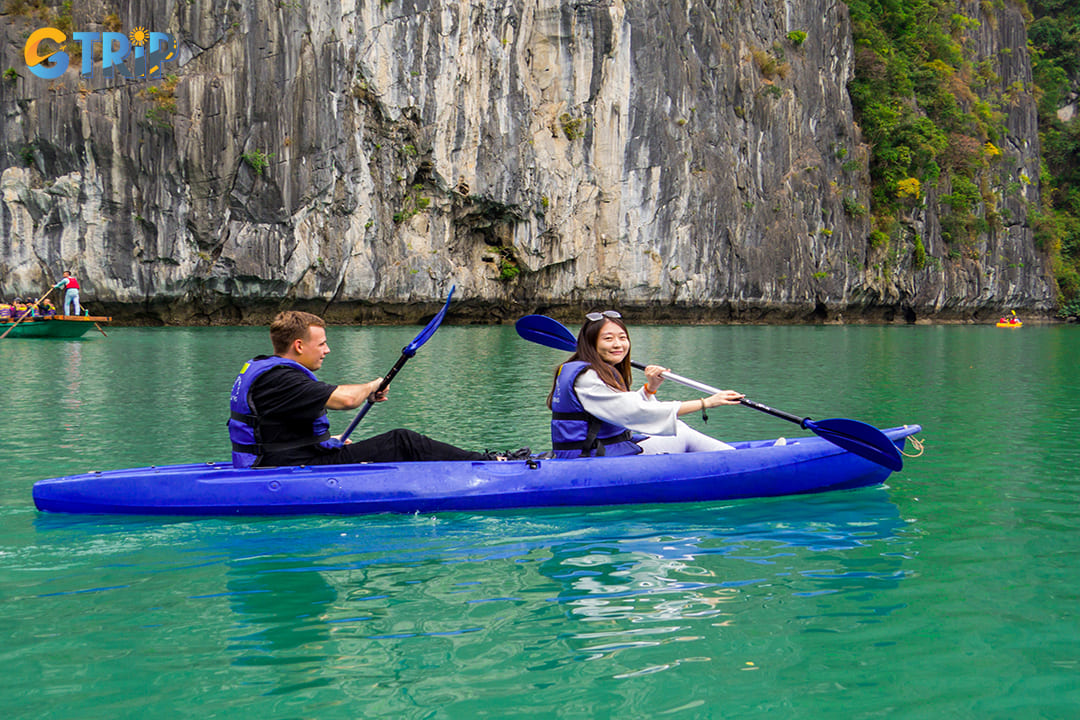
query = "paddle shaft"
x=702 y=387
x=406 y=352
x=370 y=399
x=28 y=312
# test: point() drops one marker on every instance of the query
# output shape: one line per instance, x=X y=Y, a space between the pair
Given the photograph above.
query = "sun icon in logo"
x=138 y=36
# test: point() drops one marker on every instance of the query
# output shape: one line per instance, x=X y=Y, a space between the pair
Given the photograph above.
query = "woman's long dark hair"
x=616 y=377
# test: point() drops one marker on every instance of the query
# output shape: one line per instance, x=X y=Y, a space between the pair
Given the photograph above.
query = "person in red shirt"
x=71 y=295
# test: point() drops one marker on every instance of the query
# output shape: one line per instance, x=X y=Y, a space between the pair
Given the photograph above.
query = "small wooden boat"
x=54 y=326
x=754 y=469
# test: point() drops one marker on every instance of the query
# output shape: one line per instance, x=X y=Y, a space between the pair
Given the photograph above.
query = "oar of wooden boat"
x=406 y=352
x=28 y=312
x=854 y=436
x=99 y=327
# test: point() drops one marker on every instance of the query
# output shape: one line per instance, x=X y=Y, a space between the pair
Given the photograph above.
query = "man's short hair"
x=291 y=325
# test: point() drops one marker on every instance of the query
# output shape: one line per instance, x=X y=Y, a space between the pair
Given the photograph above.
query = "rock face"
x=685 y=159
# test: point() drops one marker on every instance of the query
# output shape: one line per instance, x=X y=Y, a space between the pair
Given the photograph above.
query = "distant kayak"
x=1009 y=321
x=753 y=469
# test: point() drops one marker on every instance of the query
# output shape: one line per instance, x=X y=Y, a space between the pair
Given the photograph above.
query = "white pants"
x=72 y=296
x=685 y=439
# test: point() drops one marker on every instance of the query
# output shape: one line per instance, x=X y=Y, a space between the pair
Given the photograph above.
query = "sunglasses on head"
x=594 y=316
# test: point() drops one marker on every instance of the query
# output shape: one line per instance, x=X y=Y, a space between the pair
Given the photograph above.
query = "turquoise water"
x=951 y=592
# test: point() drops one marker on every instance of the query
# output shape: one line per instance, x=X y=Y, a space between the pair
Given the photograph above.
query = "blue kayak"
x=753 y=469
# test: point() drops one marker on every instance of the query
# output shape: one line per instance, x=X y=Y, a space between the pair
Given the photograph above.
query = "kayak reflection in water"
x=278 y=408
x=594 y=412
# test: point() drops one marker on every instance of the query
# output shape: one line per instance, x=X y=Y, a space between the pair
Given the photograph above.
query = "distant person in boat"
x=19 y=308
x=278 y=409
x=47 y=308
x=595 y=412
x=70 y=286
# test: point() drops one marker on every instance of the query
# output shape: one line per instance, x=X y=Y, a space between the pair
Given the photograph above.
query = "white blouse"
x=634 y=410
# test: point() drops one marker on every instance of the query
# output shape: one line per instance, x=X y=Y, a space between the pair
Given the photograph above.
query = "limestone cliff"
x=690 y=159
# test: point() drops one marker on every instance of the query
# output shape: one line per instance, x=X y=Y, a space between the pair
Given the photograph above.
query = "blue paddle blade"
x=544 y=331
x=429 y=330
x=859 y=438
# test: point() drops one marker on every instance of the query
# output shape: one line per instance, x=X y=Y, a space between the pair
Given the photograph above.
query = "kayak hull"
x=754 y=469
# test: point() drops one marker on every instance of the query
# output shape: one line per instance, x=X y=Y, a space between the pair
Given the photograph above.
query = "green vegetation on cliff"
x=933 y=112
x=926 y=105
x=1054 y=39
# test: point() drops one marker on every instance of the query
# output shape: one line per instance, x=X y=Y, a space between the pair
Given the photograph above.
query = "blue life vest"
x=247 y=446
x=576 y=433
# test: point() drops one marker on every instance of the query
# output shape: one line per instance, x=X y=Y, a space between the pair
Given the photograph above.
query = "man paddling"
x=278 y=408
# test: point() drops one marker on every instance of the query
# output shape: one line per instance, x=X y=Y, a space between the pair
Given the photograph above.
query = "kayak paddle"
x=857 y=437
x=406 y=352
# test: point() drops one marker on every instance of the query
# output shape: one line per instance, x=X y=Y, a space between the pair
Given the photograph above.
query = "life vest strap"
x=584 y=417
x=592 y=442
x=290 y=445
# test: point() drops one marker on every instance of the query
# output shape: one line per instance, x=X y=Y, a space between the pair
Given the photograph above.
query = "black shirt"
x=287 y=402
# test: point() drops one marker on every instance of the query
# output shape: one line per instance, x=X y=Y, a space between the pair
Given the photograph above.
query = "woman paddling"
x=594 y=412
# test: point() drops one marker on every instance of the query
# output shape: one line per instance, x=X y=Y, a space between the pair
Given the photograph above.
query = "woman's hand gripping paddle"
x=857 y=437
x=406 y=352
